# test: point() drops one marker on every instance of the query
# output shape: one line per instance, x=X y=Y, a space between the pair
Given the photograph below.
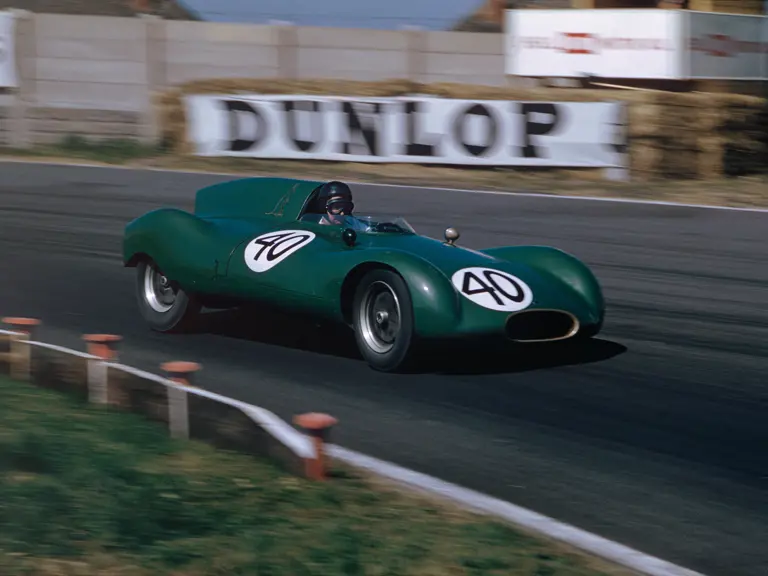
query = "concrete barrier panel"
x=103 y=72
x=212 y=32
x=356 y=64
x=456 y=43
x=465 y=65
x=90 y=27
x=91 y=49
x=93 y=94
x=389 y=40
x=227 y=54
x=178 y=73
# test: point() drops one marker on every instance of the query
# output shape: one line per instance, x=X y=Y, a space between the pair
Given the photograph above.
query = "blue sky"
x=386 y=14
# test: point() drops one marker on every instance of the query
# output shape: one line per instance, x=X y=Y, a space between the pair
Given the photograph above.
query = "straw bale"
x=644 y=159
x=710 y=159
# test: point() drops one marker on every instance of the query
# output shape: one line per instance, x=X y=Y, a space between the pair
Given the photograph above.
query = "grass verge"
x=747 y=191
x=87 y=491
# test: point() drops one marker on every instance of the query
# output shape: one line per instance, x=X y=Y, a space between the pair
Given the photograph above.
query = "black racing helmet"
x=337 y=197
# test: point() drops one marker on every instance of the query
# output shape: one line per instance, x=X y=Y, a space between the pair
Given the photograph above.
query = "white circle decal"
x=493 y=289
x=268 y=250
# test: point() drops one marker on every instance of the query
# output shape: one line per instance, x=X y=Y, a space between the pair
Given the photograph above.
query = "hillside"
x=168 y=9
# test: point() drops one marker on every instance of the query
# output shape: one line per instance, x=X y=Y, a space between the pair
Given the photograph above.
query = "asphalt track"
x=656 y=436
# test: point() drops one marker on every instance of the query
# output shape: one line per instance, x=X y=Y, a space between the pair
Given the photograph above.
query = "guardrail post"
x=178 y=409
x=21 y=353
x=104 y=347
x=318 y=426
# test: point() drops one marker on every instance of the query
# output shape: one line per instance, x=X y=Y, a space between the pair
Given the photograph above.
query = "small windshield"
x=383 y=224
x=369 y=224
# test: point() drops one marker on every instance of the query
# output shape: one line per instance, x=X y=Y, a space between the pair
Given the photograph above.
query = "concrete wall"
x=115 y=64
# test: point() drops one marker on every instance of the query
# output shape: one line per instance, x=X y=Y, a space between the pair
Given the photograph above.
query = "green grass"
x=84 y=490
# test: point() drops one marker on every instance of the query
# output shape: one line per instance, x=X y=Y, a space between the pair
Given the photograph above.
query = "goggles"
x=340 y=206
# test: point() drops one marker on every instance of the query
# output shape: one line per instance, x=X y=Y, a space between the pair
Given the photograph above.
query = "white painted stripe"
x=300 y=444
x=511 y=194
x=476 y=501
x=61 y=349
x=10 y=333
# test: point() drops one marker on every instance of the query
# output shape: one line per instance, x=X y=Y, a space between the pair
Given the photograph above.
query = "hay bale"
x=644 y=159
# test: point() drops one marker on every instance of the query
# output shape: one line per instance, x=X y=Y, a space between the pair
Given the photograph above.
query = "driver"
x=338 y=205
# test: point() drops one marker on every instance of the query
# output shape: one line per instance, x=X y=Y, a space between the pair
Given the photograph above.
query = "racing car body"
x=261 y=239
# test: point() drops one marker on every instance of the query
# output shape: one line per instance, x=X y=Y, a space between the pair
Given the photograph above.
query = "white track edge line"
x=581 y=539
x=414 y=187
x=60 y=349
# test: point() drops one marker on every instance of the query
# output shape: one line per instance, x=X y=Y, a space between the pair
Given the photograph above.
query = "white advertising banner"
x=727 y=46
x=414 y=130
x=609 y=43
x=8 y=76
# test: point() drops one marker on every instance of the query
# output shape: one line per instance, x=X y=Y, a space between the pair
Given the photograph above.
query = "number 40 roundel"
x=493 y=289
x=268 y=250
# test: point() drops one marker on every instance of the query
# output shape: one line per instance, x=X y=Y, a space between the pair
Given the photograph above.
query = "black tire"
x=175 y=313
x=384 y=350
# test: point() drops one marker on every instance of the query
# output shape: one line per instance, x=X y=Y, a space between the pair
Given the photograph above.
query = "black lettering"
x=465 y=287
x=620 y=142
x=491 y=286
x=413 y=148
x=519 y=297
x=236 y=110
x=531 y=128
x=270 y=241
x=273 y=254
x=290 y=108
x=489 y=138
x=354 y=113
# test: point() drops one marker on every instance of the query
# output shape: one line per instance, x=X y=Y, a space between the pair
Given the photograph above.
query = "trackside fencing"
x=176 y=400
x=190 y=412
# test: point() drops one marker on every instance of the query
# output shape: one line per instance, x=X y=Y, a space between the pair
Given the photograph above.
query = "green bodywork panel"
x=209 y=253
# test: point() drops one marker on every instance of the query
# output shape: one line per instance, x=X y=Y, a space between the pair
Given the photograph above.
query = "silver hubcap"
x=158 y=292
x=380 y=317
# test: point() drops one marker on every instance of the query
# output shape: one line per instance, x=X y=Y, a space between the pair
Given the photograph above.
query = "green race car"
x=282 y=242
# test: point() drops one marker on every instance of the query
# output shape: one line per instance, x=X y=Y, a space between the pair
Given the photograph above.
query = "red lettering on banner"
x=587 y=43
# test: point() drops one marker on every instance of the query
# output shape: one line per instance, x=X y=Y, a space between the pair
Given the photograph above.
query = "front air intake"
x=541 y=326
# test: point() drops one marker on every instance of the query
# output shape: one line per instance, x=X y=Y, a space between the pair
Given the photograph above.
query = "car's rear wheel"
x=163 y=304
x=383 y=320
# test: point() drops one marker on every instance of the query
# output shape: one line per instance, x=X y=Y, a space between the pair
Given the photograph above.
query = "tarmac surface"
x=656 y=436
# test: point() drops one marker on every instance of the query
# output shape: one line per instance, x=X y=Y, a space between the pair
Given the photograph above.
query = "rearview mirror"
x=349 y=236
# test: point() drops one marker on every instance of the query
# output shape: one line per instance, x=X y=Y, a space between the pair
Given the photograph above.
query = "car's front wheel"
x=163 y=304
x=383 y=320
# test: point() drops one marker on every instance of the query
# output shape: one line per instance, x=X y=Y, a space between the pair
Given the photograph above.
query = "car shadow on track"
x=508 y=358
x=278 y=328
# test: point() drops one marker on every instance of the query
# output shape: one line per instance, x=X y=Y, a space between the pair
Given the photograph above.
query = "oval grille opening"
x=541 y=325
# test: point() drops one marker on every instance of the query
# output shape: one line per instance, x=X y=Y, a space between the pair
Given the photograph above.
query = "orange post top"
x=180 y=367
x=315 y=421
x=21 y=321
x=102 y=338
